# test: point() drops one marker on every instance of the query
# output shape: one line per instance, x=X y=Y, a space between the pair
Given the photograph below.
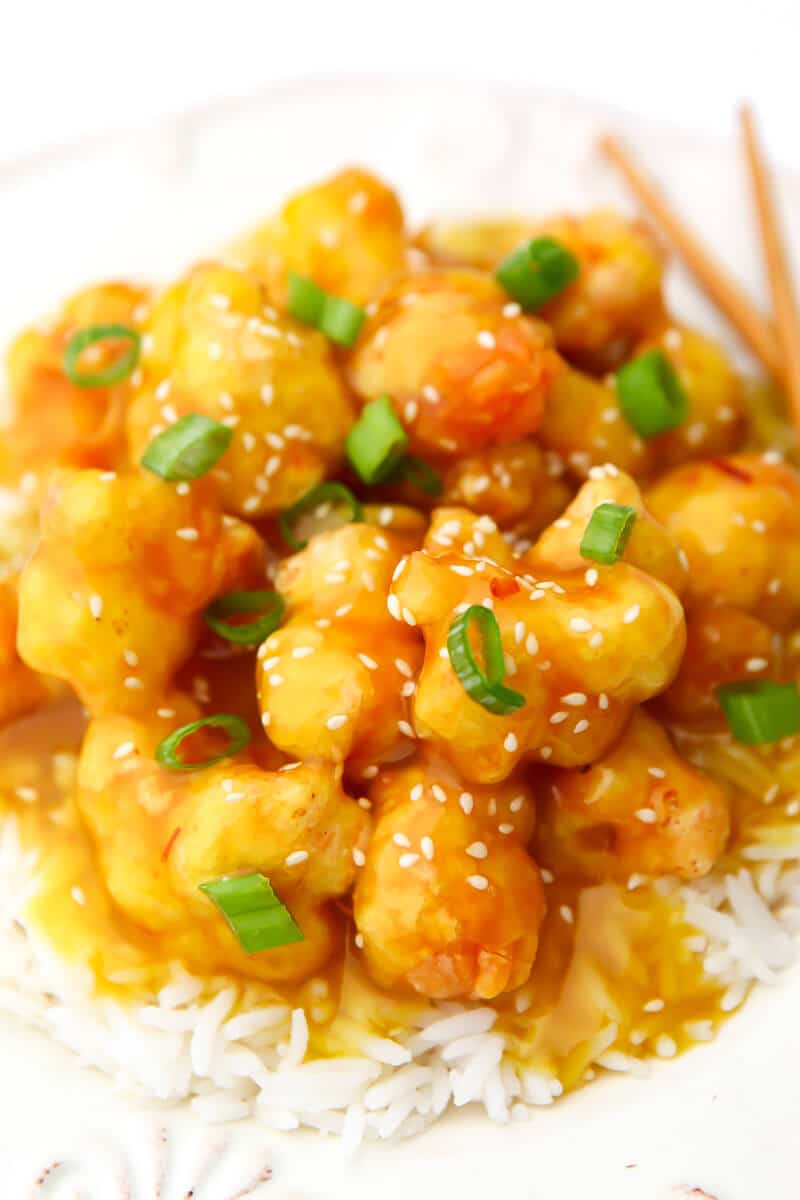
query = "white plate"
x=723 y=1118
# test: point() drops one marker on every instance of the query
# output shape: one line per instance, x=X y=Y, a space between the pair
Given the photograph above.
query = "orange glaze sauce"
x=615 y=964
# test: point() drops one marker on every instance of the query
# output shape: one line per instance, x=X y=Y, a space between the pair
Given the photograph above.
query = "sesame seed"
x=409 y=617
x=486 y=339
x=385 y=516
x=774 y=586
x=591 y=576
x=478 y=850
x=531 y=644
x=653 y=1006
x=512 y=309
x=631 y=614
x=165 y=713
x=574 y=699
x=393 y=605
x=405 y=728
x=579 y=625
x=479 y=882
x=302 y=651
x=547 y=876
x=370 y=772
x=457 y=569
x=368 y=662
x=400 y=839
x=666 y=1047
x=427 y=847
x=359 y=857
x=132 y=682
x=410 y=410
x=567 y=914
x=430 y=393
x=581 y=726
x=602 y=701
x=657 y=772
x=96 y=605
x=408 y=860
x=516 y=804
x=439 y=793
x=295 y=858
x=519 y=633
x=505 y=828
x=275 y=680
x=466 y=802
x=416 y=791
x=269 y=663
x=558 y=718
x=510 y=743
x=131 y=658
x=403 y=667
x=336 y=721
x=596 y=639
x=359 y=941
x=646 y=815
x=545 y=752
x=189 y=533
x=756 y=664
x=78 y=895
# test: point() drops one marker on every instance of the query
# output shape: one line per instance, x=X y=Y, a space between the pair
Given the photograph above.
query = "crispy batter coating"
x=53 y=420
x=22 y=690
x=738 y=521
x=616 y=297
x=335 y=682
x=583 y=644
x=232 y=817
x=463 y=371
x=111 y=600
x=346 y=233
x=640 y=808
x=449 y=902
x=214 y=346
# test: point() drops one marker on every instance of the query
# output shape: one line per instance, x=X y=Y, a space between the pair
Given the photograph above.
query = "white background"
x=77 y=68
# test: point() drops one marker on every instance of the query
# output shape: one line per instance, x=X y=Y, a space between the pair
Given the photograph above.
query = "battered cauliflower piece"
x=463 y=371
x=346 y=233
x=584 y=425
x=160 y=834
x=54 y=420
x=336 y=681
x=641 y=808
x=583 y=644
x=716 y=421
x=738 y=521
x=517 y=485
x=449 y=902
x=111 y=600
x=613 y=302
x=216 y=347
x=723 y=645
x=22 y=691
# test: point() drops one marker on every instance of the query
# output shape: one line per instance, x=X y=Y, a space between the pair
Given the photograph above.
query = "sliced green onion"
x=237 y=730
x=485 y=687
x=269 y=604
x=537 y=271
x=119 y=369
x=189 y=448
x=759 y=711
x=323 y=493
x=419 y=474
x=606 y=536
x=305 y=299
x=377 y=441
x=255 y=914
x=650 y=394
x=341 y=321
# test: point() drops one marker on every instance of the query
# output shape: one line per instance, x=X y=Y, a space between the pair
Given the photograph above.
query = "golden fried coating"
x=641 y=808
x=738 y=521
x=584 y=425
x=463 y=371
x=583 y=644
x=335 y=682
x=215 y=347
x=160 y=834
x=111 y=600
x=449 y=902
x=723 y=645
x=517 y=485
x=52 y=419
x=346 y=233
x=22 y=691
x=615 y=299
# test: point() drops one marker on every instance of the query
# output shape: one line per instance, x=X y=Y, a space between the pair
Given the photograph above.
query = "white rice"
x=184 y=1044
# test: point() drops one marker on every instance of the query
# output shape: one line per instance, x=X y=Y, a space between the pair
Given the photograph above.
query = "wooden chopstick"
x=787 y=315
x=756 y=331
